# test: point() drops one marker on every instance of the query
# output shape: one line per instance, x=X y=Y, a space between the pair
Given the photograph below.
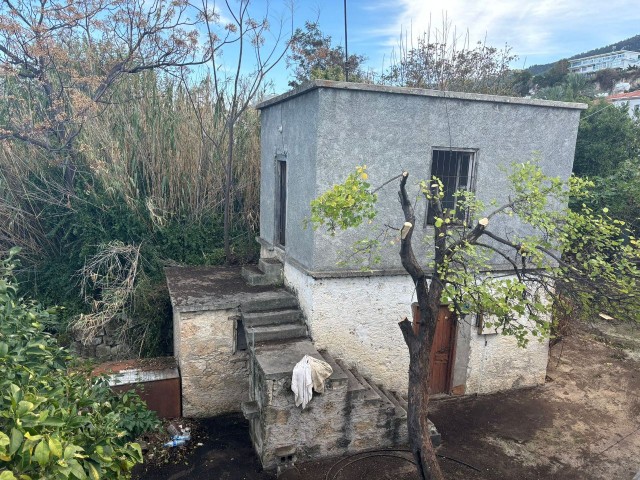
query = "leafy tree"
x=522 y=81
x=620 y=192
x=577 y=256
x=55 y=421
x=608 y=152
x=554 y=75
x=607 y=137
x=573 y=88
x=313 y=56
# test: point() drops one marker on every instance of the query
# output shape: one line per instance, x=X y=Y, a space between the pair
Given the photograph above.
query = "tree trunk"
x=417 y=422
x=227 y=197
x=419 y=341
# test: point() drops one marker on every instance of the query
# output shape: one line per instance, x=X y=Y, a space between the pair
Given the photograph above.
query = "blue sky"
x=539 y=31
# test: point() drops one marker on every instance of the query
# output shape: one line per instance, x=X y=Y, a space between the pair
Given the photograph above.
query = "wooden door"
x=442 y=352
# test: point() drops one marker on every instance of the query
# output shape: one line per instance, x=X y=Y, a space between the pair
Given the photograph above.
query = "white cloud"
x=532 y=27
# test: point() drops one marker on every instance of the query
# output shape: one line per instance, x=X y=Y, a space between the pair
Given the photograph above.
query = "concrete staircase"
x=352 y=415
x=268 y=272
x=274 y=319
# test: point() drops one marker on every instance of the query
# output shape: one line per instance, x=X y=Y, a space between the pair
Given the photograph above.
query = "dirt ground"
x=583 y=424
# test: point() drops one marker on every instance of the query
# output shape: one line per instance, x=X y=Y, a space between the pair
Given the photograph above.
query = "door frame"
x=280 y=213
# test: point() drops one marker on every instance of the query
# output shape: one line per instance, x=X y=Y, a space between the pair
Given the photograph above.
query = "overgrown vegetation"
x=107 y=140
x=441 y=60
x=55 y=420
x=146 y=180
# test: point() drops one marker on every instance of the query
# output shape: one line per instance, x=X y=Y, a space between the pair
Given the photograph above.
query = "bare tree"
x=235 y=79
x=60 y=59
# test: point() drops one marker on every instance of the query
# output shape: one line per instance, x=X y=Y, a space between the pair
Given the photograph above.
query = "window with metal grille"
x=454 y=168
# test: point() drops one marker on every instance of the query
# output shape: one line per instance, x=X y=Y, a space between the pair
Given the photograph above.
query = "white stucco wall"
x=630 y=103
x=497 y=363
x=356 y=319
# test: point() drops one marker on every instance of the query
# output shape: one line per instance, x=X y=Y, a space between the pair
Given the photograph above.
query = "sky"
x=539 y=31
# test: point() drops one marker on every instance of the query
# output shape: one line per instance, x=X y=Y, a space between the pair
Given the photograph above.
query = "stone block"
x=103 y=352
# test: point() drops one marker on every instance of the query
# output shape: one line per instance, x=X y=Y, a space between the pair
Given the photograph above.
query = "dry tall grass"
x=147 y=147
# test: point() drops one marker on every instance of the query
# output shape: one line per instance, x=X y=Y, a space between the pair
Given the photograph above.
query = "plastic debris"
x=178 y=437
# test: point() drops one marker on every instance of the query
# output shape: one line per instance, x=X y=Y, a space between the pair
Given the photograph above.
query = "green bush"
x=56 y=422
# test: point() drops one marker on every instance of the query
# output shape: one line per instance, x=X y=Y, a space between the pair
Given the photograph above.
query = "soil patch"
x=583 y=424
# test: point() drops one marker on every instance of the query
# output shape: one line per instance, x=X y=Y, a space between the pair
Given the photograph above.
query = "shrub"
x=56 y=421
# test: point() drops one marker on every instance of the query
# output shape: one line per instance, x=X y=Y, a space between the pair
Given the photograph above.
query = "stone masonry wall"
x=104 y=346
x=214 y=378
x=332 y=424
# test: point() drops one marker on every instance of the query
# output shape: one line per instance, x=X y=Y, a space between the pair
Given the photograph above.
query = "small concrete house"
x=314 y=136
x=236 y=342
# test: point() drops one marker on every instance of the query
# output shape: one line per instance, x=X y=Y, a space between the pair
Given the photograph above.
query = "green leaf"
x=41 y=453
x=55 y=446
x=77 y=470
x=6 y=475
x=70 y=451
x=16 y=440
x=4 y=440
x=93 y=472
x=4 y=349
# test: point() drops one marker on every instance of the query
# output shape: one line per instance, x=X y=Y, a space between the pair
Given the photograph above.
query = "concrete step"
x=401 y=400
x=338 y=378
x=400 y=410
x=355 y=390
x=277 y=300
x=269 y=333
x=255 y=277
x=370 y=395
x=271 y=317
x=384 y=399
x=277 y=359
x=271 y=266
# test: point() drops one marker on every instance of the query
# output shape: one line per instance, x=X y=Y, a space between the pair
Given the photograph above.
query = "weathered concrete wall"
x=289 y=128
x=214 y=378
x=356 y=319
x=497 y=363
x=391 y=130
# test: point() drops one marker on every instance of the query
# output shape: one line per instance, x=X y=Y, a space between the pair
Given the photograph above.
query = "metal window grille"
x=454 y=168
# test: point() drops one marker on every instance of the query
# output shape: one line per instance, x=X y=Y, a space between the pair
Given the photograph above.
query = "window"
x=454 y=168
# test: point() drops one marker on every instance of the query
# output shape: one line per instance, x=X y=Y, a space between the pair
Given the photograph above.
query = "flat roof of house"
x=421 y=92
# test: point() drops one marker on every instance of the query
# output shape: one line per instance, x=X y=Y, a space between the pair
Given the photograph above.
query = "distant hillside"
x=632 y=43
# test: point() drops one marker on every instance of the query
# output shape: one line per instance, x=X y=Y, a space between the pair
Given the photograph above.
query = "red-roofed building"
x=630 y=99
